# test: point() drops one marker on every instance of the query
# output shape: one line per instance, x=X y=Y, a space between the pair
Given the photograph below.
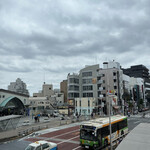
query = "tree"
x=126 y=95
x=140 y=104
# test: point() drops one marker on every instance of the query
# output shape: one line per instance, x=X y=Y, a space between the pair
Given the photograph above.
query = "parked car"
x=55 y=114
x=135 y=112
x=42 y=145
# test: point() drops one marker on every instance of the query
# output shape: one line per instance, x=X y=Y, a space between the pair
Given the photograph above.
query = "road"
x=67 y=137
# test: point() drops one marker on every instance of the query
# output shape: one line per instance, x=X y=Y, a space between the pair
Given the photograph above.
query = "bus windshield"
x=87 y=135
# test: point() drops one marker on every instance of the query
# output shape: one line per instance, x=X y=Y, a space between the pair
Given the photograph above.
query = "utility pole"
x=109 y=99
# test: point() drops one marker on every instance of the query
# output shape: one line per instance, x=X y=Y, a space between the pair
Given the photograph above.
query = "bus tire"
x=105 y=143
x=122 y=133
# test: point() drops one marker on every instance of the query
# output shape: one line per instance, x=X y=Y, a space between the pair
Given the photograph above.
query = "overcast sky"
x=44 y=40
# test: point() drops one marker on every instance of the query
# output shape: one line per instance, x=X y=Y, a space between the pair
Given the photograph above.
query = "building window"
x=76 y=103
x=87 y=94
x=87 y=88
x=88 y=103
x=115 y=80
x=74 y=80
x=87 y=81
x=115 y=87
x=3 y=96
x=114 y=73
x=104 y=95
x=86 y=74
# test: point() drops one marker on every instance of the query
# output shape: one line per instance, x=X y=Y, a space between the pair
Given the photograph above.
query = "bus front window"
x=87 y=135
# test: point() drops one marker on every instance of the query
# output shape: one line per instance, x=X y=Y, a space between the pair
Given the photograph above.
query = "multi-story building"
x=96 y=82
x=19 y=87
x=110 y=82
x=140 y=71
x=84 y=106
x=63 y=89
x=47 y=98
x=47 y=91
x=83 y=84
x=137 y=71
x=73 y=86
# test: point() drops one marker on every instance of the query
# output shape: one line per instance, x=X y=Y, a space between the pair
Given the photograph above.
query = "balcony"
x=101 y=96
x=100 y=75
x=100 y=89
x=99 y=81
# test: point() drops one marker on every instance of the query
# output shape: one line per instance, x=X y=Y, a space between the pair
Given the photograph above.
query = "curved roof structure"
x=3 y=104
x=11 y=98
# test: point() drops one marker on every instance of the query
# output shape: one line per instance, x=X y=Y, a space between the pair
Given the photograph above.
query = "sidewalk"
x=27 y=125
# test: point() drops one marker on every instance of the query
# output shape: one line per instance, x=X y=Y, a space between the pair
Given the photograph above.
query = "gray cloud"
x=61 y=36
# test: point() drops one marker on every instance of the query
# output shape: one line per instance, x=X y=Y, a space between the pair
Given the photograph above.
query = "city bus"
x=96 y=134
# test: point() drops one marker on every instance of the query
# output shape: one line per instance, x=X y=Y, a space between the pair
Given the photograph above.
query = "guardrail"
x=36 y=127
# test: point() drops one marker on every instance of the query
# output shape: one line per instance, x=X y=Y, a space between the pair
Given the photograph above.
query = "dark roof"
x=12 y=92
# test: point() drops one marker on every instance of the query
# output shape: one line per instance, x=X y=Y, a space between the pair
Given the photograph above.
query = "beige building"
x=84 y=106
x=47 y=91
x=38 y=104
x=47 y=99
x=63 y=89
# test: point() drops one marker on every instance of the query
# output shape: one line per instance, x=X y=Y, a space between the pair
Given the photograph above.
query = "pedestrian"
x=32 y=116
x=91 y=115
x=35 y=118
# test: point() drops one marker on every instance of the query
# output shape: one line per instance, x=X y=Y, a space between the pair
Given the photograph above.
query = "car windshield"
x=87 y=135
x=30 y=148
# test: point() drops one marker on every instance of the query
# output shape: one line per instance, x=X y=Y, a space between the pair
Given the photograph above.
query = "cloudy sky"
x=44 y=40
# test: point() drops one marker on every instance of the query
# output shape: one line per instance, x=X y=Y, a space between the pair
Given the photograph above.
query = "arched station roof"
x=11 y=98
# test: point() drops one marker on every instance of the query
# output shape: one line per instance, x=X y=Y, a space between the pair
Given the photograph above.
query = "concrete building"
x=140 y=71
x=19 y=87
x=93 y=81
x=110 y=82
x=83 y=84
x=13 y=103
x=137 y=71
x=47 y=98
x=84 y=106
x=47 y=91
x=39 y=104
x=63 y=89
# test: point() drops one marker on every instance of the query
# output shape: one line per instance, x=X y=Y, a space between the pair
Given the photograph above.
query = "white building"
x=19 y=87
x=84 y=106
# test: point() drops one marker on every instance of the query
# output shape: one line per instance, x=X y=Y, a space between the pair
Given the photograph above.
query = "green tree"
x=126 y=95
x=140 y=104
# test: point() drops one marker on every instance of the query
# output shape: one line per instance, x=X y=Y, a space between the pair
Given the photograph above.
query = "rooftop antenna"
x=44 y=76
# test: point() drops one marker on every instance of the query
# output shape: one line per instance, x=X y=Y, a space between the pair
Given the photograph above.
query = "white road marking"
x=76 y=148
x=137 y=122
x=64 y=134
x=67 y=140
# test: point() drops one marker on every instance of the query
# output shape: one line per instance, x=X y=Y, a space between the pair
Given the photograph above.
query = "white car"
x=42 y=145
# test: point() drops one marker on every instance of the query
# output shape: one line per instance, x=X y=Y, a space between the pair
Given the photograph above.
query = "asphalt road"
x=67 y=137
